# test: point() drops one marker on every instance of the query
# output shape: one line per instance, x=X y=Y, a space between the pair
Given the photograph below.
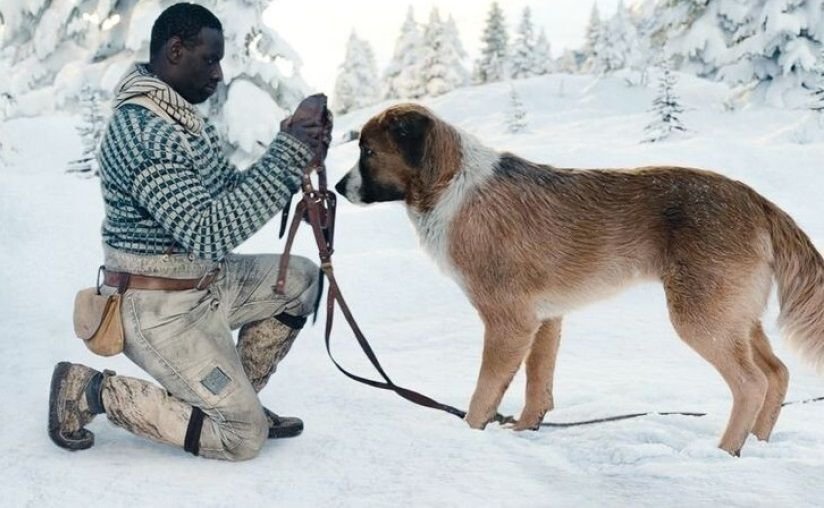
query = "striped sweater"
x=164 y=186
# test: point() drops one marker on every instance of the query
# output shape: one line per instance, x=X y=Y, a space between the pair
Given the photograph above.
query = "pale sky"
x=318 y=29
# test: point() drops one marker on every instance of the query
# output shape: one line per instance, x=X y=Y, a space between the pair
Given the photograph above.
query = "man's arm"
x=169 y=187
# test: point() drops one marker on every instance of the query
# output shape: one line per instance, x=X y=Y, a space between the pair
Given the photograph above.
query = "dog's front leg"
x=506 y=342
x=540 y=371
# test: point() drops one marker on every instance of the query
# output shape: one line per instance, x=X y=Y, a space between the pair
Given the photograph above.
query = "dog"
x=529 y=242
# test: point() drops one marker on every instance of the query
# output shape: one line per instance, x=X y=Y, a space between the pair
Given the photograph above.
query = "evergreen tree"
x=491 y=66
x=356 y=85
x=523 y=49
x=666 y=108
x=91 y=129
x=459 y=52
x=543 y=63
x=592 y=41
x=442 y=68
x=617 y=45
x=54 y=48
x=777 y=46
x=516 y=115
x=403 y=78
x=698 y=34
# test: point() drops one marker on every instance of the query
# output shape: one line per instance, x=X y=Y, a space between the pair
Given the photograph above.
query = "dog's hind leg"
x=507 y=338
x=540 y=372
x=778 y=378
x=709 y=323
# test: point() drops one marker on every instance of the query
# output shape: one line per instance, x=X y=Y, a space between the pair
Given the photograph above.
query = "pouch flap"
x=89 y=311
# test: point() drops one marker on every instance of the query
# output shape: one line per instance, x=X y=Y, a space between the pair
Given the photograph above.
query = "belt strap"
x=126 y=280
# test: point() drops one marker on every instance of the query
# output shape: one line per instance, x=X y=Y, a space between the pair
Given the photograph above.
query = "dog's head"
x=402 y=151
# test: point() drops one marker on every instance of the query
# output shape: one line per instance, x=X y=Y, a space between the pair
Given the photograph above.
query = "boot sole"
x=85 y=439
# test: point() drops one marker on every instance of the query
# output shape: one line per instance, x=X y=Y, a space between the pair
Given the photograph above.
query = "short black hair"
x=184 y=20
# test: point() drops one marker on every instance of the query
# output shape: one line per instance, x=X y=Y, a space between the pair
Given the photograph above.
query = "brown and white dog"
x=529 y=242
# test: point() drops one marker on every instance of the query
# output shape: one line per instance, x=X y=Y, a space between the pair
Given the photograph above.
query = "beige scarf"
x=139 y=86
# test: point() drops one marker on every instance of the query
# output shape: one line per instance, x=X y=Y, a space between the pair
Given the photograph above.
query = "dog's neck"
x=433 y=223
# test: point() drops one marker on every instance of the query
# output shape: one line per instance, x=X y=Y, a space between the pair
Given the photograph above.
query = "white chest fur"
x=477 y=165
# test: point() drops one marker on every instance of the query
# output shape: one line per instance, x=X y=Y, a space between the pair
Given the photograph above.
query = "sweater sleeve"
x=168 y=184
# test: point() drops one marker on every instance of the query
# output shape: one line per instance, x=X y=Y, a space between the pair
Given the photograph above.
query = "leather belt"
x=124 y=280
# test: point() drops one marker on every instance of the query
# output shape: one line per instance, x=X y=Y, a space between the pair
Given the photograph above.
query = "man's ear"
x=408 y=130
x=174 y=49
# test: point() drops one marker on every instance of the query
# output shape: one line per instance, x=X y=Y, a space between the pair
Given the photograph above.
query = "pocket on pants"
x=185 y=350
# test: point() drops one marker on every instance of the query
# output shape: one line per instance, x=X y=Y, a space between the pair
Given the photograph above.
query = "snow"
x=365 y=447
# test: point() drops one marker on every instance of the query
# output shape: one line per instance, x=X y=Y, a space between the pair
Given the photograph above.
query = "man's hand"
x=311 y=123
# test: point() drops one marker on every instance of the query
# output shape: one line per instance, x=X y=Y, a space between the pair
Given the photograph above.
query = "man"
x=175 y=209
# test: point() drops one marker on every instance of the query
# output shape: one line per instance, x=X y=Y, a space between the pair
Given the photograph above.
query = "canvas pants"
x=183 y=339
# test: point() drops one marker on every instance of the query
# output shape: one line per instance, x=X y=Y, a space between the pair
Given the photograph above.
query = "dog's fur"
x=528 y=242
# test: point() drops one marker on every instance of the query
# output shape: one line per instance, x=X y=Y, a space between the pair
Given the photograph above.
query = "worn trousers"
x=184 y=340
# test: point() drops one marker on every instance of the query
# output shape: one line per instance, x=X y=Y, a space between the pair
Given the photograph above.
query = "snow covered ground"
x=365 y=447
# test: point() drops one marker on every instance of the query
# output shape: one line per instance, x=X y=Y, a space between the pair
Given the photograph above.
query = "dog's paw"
x=529 y=421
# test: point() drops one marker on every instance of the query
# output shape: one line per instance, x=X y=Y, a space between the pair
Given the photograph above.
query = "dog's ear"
x=408 y=130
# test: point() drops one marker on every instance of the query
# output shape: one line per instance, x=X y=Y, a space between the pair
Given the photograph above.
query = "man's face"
x=197 y=70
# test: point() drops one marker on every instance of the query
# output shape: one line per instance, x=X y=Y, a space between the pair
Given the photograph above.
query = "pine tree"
x=459 y=53
x=666 y=107
x=403 y=78
x=91 y=129
x=442 y=67
x=55 y=47
x=543 y=63
x=492 y=64
x=523 y=49
x=356 y=85
x=777 y=47
x=698 y=34
x=516 y=114
x=817 y=103
x=592 y=38
x=617 y=44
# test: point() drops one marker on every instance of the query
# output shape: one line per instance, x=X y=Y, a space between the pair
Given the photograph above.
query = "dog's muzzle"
x=350 y=186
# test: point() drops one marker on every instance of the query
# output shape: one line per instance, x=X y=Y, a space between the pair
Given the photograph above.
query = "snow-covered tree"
x=459 y=52
x=493 y=62
x=356 y=85
x=403 y=77
x=55 y=48
x=592 y=38
x=572 y=61
x=91 y=129
x=442 y=67
x=666 y=107
x=523 y=61
x=516 y=113
x=543 y=63
x=778 y=46
x=698 y=33
x=617 y=45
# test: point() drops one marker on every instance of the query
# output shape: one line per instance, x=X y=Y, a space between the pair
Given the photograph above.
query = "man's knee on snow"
x=245 y=438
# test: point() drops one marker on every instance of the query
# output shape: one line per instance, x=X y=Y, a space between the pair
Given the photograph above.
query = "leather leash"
x=318 y=207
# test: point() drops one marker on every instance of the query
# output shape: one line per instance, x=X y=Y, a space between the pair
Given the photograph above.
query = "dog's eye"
x=367 y=152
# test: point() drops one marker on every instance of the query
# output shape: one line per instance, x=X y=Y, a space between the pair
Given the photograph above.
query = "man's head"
x=186 y=49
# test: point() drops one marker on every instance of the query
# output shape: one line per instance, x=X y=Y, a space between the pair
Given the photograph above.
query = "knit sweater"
x=168 y=190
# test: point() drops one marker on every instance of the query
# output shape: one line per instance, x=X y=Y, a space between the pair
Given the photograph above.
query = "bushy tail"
x=799 y=272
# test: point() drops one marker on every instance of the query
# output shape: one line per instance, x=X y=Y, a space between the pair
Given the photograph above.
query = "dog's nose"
x=341 y=185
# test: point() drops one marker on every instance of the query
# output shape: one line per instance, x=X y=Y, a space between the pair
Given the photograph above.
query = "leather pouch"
x=98 y=322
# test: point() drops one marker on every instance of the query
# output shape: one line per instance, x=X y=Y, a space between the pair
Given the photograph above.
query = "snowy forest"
x=62 y=55
x=733 y=87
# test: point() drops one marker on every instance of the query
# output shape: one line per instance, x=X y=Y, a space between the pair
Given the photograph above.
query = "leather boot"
x=74 y=401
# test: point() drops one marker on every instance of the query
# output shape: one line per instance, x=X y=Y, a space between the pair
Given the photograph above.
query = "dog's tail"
x=799 y=272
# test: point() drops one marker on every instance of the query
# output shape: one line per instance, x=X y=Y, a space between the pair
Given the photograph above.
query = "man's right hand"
x=311 y=124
